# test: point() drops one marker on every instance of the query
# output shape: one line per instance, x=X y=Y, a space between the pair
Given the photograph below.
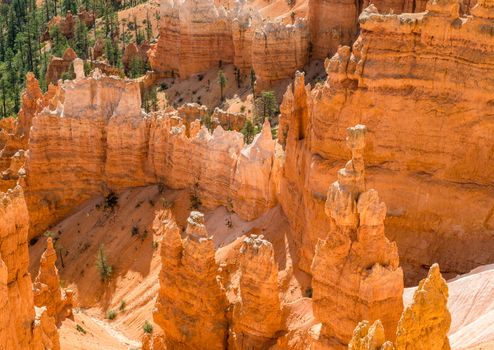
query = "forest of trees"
x=24 y=24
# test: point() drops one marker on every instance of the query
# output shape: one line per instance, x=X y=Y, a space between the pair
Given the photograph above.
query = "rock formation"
x=101 y=122
x=47 y=287
x=423 y=325
x=254 y=181
x=278 y=50
x=21 y=326
x=59 y=65
x=369 y=337
x=191 y=305
x=356 y=273
x=228 y=120
x=196 y=36
x=257 y=315
x=135 y=52
x=421 y=163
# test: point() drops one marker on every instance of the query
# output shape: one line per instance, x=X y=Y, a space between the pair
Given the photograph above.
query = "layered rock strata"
x=196 y=36
x=21 y=326
x=191 y=304
x=257 y=316
x=425 y=322
x=425 y=165
x=356 y=273
x=101 y=122
x=46 y=289
x=423 y=325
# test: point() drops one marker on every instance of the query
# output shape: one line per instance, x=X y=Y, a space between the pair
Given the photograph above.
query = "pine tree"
x=222 y=82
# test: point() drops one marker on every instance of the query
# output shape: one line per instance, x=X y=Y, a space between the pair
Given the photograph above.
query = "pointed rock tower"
x=191 y=305
x=257 y=316
x=356 y=273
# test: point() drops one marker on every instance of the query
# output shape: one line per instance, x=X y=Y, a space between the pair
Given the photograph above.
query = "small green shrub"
x=80 y=329
x=122 y=305
x=148 y=327
x=308 y=292
x=104 y=268
x=111 y=314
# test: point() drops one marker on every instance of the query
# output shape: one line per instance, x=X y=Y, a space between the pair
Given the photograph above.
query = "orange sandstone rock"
x=47 y=287
x=425 y=323
x=20 y=326
x=257 y=318
x=356 y=273
x=191 y=305
x=369 y=337
x=425 y=165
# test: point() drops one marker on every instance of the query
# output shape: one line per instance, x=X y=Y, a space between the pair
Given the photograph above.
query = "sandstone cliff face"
x=101 y=123
x=20 y=326
x=254 y=181
x=191 y=305
x=196 y=36
x=428 y=150
x=278 y=50
x=356 y=273
x=16 y=134
x=257 y=315
x=47 y=287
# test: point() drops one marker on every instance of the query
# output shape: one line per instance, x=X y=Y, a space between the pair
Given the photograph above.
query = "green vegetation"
x=265 y=106
x=80 y=329
x=27 y=43
x=104 y=268
x=148 y=327
x=221 y=82
x=249 y=131
x=111 y=314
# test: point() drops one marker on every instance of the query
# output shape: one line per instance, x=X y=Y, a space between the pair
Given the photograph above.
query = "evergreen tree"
x=222 y=82
x=266 y=106
x=81 y=41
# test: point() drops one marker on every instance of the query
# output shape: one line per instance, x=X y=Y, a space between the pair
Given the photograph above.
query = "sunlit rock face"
x=92 y=132
x=191 y=305
x=196 y=36
x=356 y=273
x=21 y=326
x=428 y=150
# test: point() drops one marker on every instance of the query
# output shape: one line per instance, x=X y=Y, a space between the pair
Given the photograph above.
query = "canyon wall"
x=422 y=83
x=84 y=143
x=22 y=327
x=196 y=36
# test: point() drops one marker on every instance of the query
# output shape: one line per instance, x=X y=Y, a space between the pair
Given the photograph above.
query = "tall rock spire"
x=191 y=303
x=356 y=273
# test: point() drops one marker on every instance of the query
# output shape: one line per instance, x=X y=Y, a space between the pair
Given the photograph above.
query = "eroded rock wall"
x=21 y=327
x=196 y=36
x=426 y=100
x=87 y=145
